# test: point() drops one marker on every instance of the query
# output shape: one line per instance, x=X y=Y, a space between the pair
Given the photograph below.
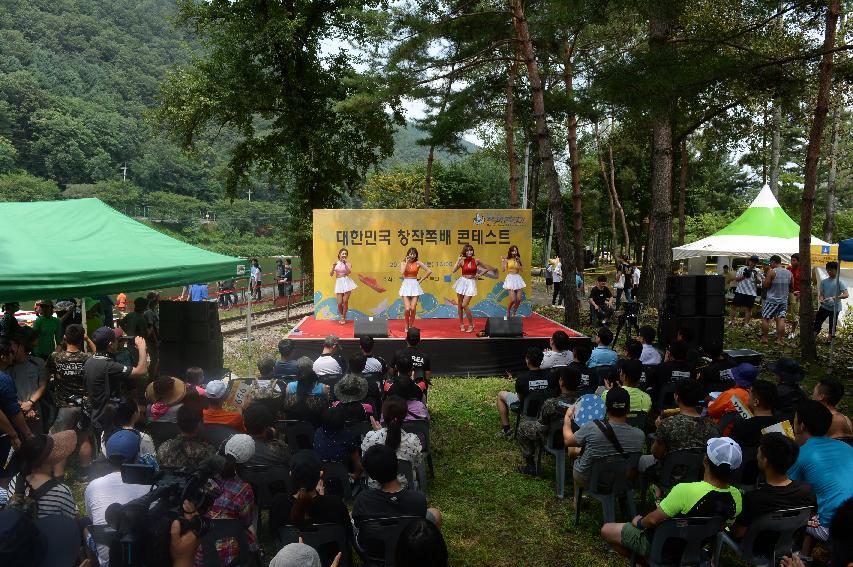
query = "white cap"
x=296 y=555
x=724 y=451
x=241 y=447
x=215 y=389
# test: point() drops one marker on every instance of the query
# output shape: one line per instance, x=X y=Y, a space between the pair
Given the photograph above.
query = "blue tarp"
x=845 y=250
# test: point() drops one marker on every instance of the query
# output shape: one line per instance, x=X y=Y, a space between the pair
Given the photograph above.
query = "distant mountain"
x=407 y=150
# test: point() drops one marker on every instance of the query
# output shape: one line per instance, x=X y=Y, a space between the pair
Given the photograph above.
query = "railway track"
x=267 y=318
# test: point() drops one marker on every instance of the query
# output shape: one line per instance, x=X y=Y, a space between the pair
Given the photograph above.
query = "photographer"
x=748 y=280
x=65 y=368
x=102 y=375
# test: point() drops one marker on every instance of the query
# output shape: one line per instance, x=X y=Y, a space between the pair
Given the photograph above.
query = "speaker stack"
x=697 y=303
x=190 y=335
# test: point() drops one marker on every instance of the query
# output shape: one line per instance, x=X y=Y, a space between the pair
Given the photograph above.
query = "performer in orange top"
x=410 y=289
x=343 y=284
x=513 y=283
x=466 y=285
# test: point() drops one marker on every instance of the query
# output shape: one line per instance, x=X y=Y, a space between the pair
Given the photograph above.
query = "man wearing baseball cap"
x=748 y=279
x=215 y=392
x=102 y=375
x=712 y=496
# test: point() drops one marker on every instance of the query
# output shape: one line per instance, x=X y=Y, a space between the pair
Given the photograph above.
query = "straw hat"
x=176 y=393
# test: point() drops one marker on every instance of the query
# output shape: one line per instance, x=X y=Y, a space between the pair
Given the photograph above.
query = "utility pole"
x=123 y=172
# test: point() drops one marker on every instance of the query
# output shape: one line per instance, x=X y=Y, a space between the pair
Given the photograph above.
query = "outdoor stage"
x=452 y=352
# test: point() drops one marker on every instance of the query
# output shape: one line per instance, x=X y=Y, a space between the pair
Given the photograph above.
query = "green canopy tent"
x=82 y=248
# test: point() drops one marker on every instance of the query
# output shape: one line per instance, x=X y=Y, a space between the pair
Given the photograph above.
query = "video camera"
x=144 y=524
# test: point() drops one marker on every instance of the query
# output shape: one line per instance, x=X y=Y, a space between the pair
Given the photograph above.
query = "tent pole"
x=83 y=318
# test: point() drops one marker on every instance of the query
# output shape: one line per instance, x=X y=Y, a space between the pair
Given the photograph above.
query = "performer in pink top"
x=343 y=284
x=410 y=289
x=466 y=285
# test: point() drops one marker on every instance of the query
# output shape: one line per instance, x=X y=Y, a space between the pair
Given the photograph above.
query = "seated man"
x=688 y=335
x=535 y=379
x=373 y=364
x=580 y=356
x=602 y=354
x=559 y=353
x=829 y=392
x=716 y=376
x=711 y=496
x=776 y=454
x=330 y=360
x=531 y=433
x=601 y=300
x=687 y=429
x=789 y=373
x=762 y=400
x=122 y=447
x=186 y=450
x=824 y=463
x=744 y=375
x=650 y=355
x=285 y=368
x=598 y=438
x=630 y=372
x=215 y=392
x=674 y=367
x=389 y=501
x=420 y=360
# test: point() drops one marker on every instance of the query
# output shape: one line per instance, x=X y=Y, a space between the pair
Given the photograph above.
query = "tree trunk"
x=574 y=155
x=428 y=178
x=533 y=183
x=807 y=339
x=609 y=192
x=510 y=134
x=626 y=240
x=832 y=175
x=546 y=154
x=775 y=147
x=682 y=191
x=658 y=256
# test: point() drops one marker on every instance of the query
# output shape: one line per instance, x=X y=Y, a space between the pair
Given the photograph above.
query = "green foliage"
x=8 y=155
x=25 y=187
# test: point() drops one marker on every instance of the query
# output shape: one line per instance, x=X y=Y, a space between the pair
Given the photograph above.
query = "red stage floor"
x=533 y=326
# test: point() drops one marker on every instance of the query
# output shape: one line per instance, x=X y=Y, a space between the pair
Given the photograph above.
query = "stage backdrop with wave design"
x=377 y=241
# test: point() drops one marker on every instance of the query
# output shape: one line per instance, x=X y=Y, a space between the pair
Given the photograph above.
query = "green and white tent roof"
x=763 y=229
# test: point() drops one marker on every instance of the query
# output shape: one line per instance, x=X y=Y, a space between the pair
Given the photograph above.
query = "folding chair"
x=682 y=465
x=608 y=478
x=420 y=427
x=63 y=535
x=318 y=536
x=162 y=431
x=336 y=480
x=728 y=420
x=688 y=537
x=216 y=434
x=638 y=419
x=530 y=406
x=226 y=529
x=783 y=524
x=405 y=468
x=747 y=476
x=384 y=531
x=267 y=481
x=666 y=397
x=554 y=445
x=330 y=380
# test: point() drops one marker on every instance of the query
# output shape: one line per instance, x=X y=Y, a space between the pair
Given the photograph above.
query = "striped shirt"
x=58 y=501
x=747 y=285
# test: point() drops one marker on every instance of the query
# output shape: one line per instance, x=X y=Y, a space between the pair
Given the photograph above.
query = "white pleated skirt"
x=410 y=288
x=514 y=281
x=465 y=286
x=344 y=284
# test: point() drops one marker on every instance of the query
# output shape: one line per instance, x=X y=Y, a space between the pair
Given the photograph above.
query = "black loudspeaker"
x=195 y=321
x=177 y=356
x=707 y=331
x=376 y=327
x=689 y=296
x=745 y=355
x=503 y=327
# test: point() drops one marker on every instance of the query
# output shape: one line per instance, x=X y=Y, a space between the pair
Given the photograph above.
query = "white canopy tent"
x=764 y=229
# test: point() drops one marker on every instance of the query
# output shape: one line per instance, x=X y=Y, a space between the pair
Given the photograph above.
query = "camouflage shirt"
x=183 y=452
x=66 y=375
x=685 y=432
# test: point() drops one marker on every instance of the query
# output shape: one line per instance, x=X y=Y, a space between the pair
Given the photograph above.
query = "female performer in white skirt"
x=466 y=285
x=513 y=283
x=343 y=284
x=410 y=289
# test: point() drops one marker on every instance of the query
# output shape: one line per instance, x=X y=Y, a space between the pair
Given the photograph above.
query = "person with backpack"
x=34 y=490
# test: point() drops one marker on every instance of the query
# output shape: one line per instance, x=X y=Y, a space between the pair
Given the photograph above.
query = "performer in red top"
x=410 y=289
x=343 y=283
x=466 y=285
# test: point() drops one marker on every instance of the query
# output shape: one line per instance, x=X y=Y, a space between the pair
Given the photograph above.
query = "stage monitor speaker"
x=376 y=327
x=503 y=327
x=745 y=355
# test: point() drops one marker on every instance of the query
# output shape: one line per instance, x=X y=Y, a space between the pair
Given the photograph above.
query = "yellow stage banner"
x=377 y=241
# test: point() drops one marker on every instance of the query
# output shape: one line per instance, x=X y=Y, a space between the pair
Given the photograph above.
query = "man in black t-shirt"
x=420 y=361
x=776 y=454
x=102 y=375
x=762 y=402
x=580 y=356
x=674 y=367
x=535 y=379
x=716 y=376
x=600 y=300
x=390 y=501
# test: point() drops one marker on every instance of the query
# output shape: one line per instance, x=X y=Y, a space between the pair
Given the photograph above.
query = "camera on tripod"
x=143 y=525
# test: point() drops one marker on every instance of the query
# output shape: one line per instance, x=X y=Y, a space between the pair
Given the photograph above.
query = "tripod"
x=628 y=318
